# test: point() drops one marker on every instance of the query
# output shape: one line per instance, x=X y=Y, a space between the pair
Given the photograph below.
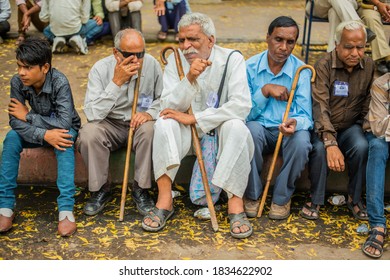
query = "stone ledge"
x=39 y=167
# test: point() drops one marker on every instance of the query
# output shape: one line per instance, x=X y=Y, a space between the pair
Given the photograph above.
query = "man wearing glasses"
x=108 y=108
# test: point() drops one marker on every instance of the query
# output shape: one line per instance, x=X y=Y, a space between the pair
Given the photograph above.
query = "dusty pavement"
x=240 y=25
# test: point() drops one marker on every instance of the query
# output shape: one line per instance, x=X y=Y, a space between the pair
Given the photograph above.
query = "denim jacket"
x=51 y=108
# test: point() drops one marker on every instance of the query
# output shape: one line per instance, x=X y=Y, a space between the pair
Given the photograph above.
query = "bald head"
x=129 y=36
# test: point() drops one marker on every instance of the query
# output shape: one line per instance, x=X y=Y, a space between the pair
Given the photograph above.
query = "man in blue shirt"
x=51 y=121
x=270 y=76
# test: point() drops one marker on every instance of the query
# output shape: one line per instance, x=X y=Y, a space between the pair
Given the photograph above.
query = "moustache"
x=190 y=51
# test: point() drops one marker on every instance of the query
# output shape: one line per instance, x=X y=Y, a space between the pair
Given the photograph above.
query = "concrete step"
x=39 y=167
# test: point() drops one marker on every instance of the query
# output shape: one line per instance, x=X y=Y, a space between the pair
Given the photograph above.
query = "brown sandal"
x=161 y=35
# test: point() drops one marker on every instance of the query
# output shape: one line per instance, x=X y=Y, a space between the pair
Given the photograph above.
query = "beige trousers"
x=98 y=139
x=336 y=11
x=379 y=46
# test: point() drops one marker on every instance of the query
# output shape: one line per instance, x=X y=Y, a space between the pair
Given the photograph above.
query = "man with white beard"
x=203 y=65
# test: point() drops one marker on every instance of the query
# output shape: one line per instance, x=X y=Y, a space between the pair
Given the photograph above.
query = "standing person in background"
x=5 y=14
x=28 y=12
x=124 y=14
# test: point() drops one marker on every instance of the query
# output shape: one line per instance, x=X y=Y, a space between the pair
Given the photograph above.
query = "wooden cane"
x=195 y=139
x=280 y=136
x=129 y=147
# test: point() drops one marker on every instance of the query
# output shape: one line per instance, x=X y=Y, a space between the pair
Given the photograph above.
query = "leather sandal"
x=361 y=214
x=162 y=35
x=237 y=221
x=160 y=216
x=314 y=212
x=373 y=242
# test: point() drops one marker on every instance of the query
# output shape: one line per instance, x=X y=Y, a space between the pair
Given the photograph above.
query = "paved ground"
x=241 y=25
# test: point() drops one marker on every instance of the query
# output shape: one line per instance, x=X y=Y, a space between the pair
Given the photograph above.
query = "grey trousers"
x=117 y=22
x=98 y=139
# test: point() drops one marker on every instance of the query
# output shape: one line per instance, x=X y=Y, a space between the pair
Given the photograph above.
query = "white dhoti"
x=172 y=142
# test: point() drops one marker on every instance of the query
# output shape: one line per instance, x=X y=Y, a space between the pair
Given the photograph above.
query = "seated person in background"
x=5 y=14
x=107 y=106
x=169 y=13
x=270 y=77
x=28 y=12
x=373 y=13
x=203 y=65
x=97 y=26
x=341 y=96
x=337 y=11
x=123 y=14
x=377 y=125
x=51 y=121
x=67 y=20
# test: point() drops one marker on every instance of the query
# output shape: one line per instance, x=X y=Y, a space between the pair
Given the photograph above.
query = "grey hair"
x=351 y=26
x=121 y=33
x=204 y=21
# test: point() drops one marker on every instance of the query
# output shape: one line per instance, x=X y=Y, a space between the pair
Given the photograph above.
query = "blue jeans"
x=295 y=151
x=92 y=29
x=12 y=147
x=50 y=35
x=354 y=146
x=378 y=154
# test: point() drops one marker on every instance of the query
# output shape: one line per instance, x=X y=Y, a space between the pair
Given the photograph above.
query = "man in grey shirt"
x=108 y=108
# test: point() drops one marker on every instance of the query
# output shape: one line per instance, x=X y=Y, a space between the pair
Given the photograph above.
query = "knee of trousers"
x=234 y=128
x=89 y=134
x=13 y=139
x=146 y=130
x=360 y=148
x=378 y=147
x=165 y=125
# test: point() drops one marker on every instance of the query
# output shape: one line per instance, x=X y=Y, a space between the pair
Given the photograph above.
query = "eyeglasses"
x=127 y=54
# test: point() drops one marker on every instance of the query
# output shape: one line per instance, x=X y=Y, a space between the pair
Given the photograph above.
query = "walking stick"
x=129 y=147
x=280 y=136
x=195 y=139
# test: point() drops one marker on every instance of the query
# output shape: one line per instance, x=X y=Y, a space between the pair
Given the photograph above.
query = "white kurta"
x=172 y=140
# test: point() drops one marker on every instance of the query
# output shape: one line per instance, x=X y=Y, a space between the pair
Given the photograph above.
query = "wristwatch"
x=375 y=8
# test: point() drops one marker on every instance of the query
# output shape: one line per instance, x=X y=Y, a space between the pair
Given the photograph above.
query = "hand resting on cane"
x=140 y=118
x=181 y=117
x=288 y=127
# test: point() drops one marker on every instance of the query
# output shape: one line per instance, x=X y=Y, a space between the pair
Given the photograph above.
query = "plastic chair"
x=309 y=19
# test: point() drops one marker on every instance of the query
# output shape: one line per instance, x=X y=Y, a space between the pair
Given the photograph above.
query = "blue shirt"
x=269 y=111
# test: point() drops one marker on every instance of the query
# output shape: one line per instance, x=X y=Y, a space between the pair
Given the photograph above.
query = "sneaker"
x=58 y=45
x=251 y=207
x=279 y=212
x=370 y=35
x=79 y=44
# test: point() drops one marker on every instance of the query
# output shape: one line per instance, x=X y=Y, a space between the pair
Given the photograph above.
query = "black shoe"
x=370 y=35
x=382 y=68
x=142 y=199
x=97 y=202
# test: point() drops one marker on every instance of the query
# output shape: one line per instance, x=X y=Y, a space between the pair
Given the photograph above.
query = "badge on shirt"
x=340 y=89
x=146 y=101
x=212 y=100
